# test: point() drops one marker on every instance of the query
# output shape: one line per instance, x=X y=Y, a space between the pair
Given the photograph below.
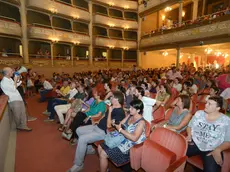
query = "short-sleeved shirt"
x=95 y=108
x=222 y=83
x=65 y=90
x=209 y=135
x=118 y=115
x=148 y=108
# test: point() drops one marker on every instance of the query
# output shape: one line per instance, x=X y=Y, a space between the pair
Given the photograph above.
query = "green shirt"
x=96 y=108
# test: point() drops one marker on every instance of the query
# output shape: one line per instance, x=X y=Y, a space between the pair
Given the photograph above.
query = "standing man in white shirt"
x=47 y=87
x=16 y=104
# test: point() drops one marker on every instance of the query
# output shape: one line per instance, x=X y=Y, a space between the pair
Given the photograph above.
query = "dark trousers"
x=52 y=103
x=43 y=94
x=209 y=162
x=78 y=121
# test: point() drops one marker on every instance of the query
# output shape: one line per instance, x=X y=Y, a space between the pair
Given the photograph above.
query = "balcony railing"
x=121 y=4
x=113 y=43
x=62 y=8
x=10 y=27
x=197 y=32
x=57 y=35
x=120 y=23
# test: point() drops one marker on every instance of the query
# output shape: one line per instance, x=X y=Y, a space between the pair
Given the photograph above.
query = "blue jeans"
x=86 y=135
x=52 y=103
x=43 y=94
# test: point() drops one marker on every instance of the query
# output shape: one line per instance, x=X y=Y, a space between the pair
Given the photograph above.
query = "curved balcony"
x=57 y=35
x=126 y=24
x=10 y=27
x=180 y=36
x=58 y=7
x=113 y=43
x=121 y=4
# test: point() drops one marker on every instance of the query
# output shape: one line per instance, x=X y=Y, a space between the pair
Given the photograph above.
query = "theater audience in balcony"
x=209 y=135
x=92 y=133
x=47 y=54
x=133 y=130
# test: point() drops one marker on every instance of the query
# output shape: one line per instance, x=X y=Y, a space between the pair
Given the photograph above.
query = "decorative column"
x=72 y=54
x=203 y=7
x=25 y=42
x=122 y=57
x=178 y=57
x=52 y=53
x=195 y=10
x=180 y=12
x=51 y=20
x=158 y=20
x=138 y=42
x=91 y=33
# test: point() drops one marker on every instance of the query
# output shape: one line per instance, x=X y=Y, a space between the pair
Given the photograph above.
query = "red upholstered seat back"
x=170 y=140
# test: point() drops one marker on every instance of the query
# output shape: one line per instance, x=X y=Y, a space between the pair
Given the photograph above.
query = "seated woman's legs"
x=103 y=159
x=209 y=163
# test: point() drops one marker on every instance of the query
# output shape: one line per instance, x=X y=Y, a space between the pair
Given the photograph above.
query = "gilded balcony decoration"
x=219 y=28
x=41 y=62
x=115 y=64
x=114 y=43
x=132 y=5
x=62 y=63
x=150 y=4
x=102 y=64
x=10 y=27
x=56 y=7
x=10 y=61
x=125 y=24
x=56 y=35
x=81 y=64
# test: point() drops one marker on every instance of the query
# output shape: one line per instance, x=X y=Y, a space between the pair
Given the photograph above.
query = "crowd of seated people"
x=41 y=54
x=89 y=104
x=199 y=21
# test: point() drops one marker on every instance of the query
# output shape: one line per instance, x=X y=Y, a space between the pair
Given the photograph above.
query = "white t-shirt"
x=47 y=85
x=148 y=108
x=226 y=94
x=178 y=87
x=209 y=135
x=8 y=87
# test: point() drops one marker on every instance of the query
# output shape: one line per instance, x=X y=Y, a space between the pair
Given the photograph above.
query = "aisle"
x=43 y=149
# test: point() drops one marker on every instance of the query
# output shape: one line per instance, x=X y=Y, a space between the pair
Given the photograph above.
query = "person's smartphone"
x=123 y=126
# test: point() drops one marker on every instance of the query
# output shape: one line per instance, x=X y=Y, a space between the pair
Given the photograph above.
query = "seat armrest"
x=178 y=165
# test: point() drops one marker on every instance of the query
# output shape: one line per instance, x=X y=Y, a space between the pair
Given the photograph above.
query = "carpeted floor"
x=43 y=149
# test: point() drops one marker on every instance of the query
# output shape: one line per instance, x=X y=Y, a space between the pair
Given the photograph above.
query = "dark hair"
x=188 y=83
x=216 y=89
x=120 y=96
x=141 y=90
x=218 y=100
x=138 y=105
x=89 y=92
x=146 y=85
x=185 y=100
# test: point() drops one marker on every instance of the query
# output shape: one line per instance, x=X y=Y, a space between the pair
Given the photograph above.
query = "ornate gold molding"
x=40 y=63
x=10 y=62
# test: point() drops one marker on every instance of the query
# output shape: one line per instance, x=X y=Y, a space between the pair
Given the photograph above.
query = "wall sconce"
x=111 y=25
x=111 y=4
x=76 y=42
x=125 y=48
x=208 y=50
x=183 y=13
x=168 y=9
x=225 y=55
x=75 y=16
x=181 y=56
x=218 y=54
x=163 y=17
x=126 y=7
x=126 y=27
x=165 y=53
x=53 y=10
x=111 y=46
x=54 y=40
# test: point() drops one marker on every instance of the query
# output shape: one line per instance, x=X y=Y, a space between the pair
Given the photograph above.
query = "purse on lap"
x=113 y=139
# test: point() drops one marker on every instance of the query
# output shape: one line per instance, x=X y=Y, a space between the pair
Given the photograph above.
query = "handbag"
x=113 y=139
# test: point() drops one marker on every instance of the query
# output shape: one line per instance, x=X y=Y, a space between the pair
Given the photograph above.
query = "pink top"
x=222 y=82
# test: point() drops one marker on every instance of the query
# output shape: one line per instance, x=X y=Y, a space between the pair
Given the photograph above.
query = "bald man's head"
x=7 y=72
